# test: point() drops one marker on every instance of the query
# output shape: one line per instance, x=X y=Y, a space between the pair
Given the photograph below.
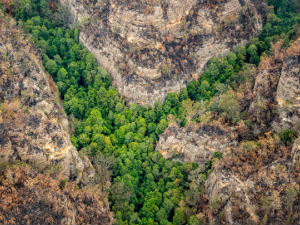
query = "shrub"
x=287 y=136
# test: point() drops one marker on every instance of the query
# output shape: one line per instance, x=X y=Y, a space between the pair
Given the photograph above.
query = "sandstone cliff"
x=34 y=126
x=28 y=196
x=195 y=143
x=257 y=180
x=256 y=183
x=154 y=47
x=34 y=131
x=276 y=103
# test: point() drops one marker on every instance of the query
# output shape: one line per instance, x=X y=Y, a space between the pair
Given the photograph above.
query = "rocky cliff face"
x=34 y=131
x=258 y=181
x=32 y=197
x=195 y=143
x=34 y=126
x=276 y=101
x=156 y=46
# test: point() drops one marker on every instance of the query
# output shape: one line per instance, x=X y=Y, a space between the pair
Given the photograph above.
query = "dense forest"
x=120 y=138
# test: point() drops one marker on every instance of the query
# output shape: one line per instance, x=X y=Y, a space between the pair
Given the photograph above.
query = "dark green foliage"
x=105 y=125
x=287 y=136
x=281 y=24
x=146 y=188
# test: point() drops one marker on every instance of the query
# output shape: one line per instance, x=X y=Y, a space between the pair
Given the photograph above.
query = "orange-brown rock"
x=256 y=183
x=28 y=196
x=276 y=92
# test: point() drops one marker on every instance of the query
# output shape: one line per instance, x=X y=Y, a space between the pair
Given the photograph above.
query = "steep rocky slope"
x=195 y=143
x=276 y=101
x=257 y=182
x=156 y=46
x=33 y=124
x=34 y=131
x=273 y=104
x=32 y=197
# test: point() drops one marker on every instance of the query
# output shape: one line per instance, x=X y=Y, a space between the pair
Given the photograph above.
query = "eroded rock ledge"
x=195 y=143
x=157 y=46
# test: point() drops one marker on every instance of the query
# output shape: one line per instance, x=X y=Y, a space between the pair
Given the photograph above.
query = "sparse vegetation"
x=57 y=201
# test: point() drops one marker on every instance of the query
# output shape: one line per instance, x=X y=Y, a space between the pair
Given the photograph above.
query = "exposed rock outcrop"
x=34 y=133
x=257 y=183
x=277 y=90
x=196 y=143
x=257 y=180
x=30 y=197
x=154 y=47
x=33 y=124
